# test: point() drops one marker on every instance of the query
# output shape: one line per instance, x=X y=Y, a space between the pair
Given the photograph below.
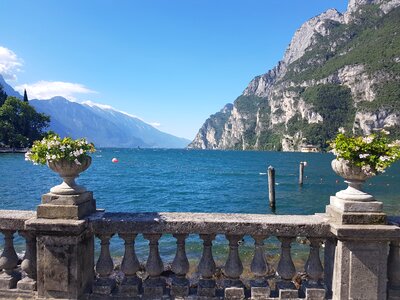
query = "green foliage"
x=373 y=153
x=248 y=104
x=3 y=95
x=296 y=124
x=270 y=140
x=54 y=148
x=372 y=40
x=20 y=124
x=334 y=104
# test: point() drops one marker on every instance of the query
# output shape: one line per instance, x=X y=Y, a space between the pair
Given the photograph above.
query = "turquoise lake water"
x=197 y=181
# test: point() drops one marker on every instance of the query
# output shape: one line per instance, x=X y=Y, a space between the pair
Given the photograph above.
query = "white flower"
x=368 y=139
x=54 y=156
x=77 y=162
x=385 y=132
x=364 y=155
x=62 y=148
x=81 y=151
x=48 y=156
x=341 y=130
x=384 y=158
x=367 y=170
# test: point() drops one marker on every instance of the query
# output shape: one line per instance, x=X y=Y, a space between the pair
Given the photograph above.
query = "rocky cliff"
x=340 y=70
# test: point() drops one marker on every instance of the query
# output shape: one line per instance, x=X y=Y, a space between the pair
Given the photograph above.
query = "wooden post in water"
x=271 y=186
x=301 y=173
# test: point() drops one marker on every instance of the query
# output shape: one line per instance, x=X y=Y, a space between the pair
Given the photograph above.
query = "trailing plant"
x=373 y=153
x=54 y=148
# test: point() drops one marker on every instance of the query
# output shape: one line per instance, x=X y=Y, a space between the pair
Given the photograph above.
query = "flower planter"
x=354 y=177
x=68 y=171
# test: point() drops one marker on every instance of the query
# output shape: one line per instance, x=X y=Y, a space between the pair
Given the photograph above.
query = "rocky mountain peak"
x=305 y=35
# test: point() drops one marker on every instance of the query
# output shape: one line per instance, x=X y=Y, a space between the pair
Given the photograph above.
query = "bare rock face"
x=305 y=35
x=280 y=98
x=367 y=121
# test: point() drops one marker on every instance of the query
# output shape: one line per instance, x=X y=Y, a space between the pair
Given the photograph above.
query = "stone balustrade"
x=59 y=260
x=234 y=227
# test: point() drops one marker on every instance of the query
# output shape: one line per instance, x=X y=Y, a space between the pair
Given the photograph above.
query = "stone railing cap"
x=15 y=219
x=207 y=223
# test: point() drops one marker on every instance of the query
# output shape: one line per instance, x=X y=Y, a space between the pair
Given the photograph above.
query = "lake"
x=190 y=180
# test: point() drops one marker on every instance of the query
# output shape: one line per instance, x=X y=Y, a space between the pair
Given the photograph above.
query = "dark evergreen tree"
x=25 y=96
x=20 y=124
x=3 y=95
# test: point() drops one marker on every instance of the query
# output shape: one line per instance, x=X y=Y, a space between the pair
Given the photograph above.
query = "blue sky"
x=173 y=63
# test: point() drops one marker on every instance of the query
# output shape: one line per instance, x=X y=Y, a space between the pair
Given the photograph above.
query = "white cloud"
x=49 y=89
x=10 y=64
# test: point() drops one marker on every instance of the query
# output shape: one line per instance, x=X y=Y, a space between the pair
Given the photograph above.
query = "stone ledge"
x=364 y=218
x=366 y=232
x=60 y=226
x=15 y=219
x=208 y=223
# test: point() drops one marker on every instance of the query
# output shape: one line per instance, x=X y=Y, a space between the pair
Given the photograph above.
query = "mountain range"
x=340 y=70
x=100 y=124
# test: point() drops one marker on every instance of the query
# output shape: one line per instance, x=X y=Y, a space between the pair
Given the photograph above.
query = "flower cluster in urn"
x=65 y=156
x=372 y=153
x=53 y=148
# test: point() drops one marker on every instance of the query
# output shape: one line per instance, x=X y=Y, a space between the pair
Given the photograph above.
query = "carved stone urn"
x=354 y=177
x=68 y=171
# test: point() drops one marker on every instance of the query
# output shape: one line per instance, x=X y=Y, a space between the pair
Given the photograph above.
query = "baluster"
x=313 y=287
x=104 y=284
x=28 y=265
x=131 y=284
x=259 y=266
x=394 y=270
x=206 y=286
x=8 y=262
x=154 y=286
x=329 y=262
x=233 y=269
x=286 y=270
x=180 y=266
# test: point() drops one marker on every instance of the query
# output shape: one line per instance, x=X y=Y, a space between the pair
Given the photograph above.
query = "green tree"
x=3 y=95
x=25 y=96
x=20 y=124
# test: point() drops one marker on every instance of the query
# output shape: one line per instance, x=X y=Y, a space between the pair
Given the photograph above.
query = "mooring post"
x=271 y=186
x=301 y=172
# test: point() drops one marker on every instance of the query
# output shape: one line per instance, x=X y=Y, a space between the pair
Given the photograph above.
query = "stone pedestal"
x=74 y=207
x=355 y=212
x=130 y=287
x=206 y=288
x=360 y=270
x=153 y=288
x=65 y=251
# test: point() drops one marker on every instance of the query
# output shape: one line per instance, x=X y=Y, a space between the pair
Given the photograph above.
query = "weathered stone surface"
x=234 y=293
x=103 y=286
x=360 y=270
x=56 y=199
x=65 y=251
x=73 y=211
x=259 y=293
x=208 y=223
x=130 y=287
x=288 y=294
x=356 y=206
x=341 y=217
x=315 y=294
x=206 y=288
x=365 y=232
x=27 y=284
x=154 y=288
x=9 y=281
x=15 y=219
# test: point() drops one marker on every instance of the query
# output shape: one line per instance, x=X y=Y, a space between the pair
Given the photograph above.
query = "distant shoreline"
x=14 y=150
